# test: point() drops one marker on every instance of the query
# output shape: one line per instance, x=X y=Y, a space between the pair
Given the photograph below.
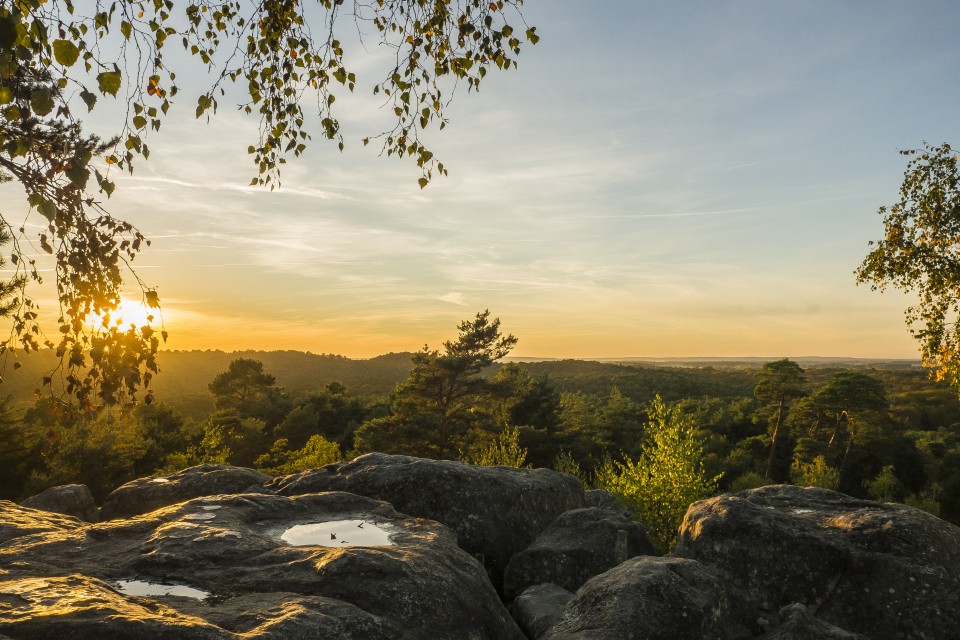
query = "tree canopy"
x=59 y=58
x=445 y=395
x=920 y=251
x=778 y=382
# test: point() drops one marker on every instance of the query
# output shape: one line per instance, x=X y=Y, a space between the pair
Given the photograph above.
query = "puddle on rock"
x=143 y=588
x=160 y=480
x=200 y=516
x=338 y=533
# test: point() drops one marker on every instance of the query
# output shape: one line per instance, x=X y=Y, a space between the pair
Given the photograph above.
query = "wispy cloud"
x=454 y=297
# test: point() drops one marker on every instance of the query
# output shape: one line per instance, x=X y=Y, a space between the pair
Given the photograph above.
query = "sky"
x=656 y=179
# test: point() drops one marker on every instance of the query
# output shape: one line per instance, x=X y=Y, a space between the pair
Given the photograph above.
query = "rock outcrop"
x=605 y=500
x=647 y=598
x=798 y=623
x=578 y=545
x=494 y=511
x=238 y=571
x=17 y=521
x=69 y=499
x=146 y=494
x=232 y=555
x=783 y=562
x=881 y=570
x=539 y=607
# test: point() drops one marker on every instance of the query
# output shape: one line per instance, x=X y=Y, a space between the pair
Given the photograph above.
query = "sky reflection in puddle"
x=338 y=533
x=143 y=588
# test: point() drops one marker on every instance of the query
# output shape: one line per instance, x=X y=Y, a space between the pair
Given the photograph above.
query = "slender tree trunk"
x=844 y=466
x=775 y=471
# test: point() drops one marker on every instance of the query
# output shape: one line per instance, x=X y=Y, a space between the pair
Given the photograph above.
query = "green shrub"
x=667 y=477
x=503 y=451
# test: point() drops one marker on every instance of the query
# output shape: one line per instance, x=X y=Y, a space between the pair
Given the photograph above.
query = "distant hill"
x=807 y=362
x=184 y=375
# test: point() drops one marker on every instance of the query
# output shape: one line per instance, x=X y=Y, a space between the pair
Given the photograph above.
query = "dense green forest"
x=885 y=431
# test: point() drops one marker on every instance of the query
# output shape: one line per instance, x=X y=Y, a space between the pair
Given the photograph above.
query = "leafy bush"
x=814 y=474
x=667 y=477
x=565 y=463
x=504 y=450
x=318 y=452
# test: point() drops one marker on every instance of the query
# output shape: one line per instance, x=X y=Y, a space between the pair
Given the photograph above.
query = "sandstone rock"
x=494 y=511
x=146 y=494
x=603 y=499
x=539 y=607
x=797 y=623
x=79 y=607
x=17 y=521
x=69 y=499
x=578 y=545
x=259 y=585
x=646 y=598
x=881 y=570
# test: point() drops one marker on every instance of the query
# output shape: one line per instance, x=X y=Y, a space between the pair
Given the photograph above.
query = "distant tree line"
x=890 y=435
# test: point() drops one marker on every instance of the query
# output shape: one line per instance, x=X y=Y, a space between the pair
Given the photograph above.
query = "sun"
x=134 y=312
x=127 y=312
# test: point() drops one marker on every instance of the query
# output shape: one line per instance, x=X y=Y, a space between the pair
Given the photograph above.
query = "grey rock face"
x=646 y=598
x=603 y=499
x=539 y=607
x=881 y=570
x=69 y=499
x=146 y=494
x=231 y=547
x=798 y=623
x=494 y=511
x=578 y=545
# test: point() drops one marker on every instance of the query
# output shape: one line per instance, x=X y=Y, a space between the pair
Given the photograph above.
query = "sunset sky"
x=657 y=179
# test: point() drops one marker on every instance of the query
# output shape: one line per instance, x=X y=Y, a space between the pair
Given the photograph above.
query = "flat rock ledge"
x=143 y=495
x=236 y=577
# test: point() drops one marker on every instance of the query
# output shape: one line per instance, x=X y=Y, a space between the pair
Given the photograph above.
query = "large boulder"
x=69 y=499
x=234 y=566
x=539 y=607
x=147 y=494
x=578 y=545
x=880 y=570
x=647 y=598
x=494 y=511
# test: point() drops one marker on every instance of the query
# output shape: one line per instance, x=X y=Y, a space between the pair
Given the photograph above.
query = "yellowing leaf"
x=109 y=82
x=65 y=52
